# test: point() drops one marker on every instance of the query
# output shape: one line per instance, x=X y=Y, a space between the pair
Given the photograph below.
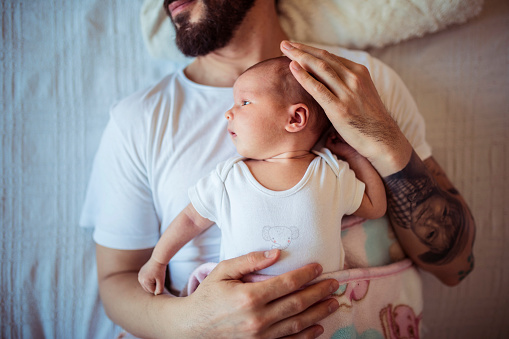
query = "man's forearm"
x=133 y=309
x=125 y=301
x=431 y=219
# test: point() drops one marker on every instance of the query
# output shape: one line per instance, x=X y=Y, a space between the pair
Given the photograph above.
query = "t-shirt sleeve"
x=207 y=195
x=351 y=188
x=118 y=202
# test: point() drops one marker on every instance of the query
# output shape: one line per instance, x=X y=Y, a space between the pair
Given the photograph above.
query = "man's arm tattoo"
x=434 y=214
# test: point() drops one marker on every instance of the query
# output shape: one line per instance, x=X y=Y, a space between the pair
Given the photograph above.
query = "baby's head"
x=271 y=107
x=280 y=80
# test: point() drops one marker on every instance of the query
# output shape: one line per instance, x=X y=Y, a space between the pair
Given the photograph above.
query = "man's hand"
x=274 y=308
x=347 y=94
x=223 y=305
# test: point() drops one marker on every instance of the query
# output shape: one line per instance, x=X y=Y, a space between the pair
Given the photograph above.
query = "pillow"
x=357 y=24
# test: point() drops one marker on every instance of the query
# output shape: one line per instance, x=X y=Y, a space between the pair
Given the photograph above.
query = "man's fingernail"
x=334 y=286
x=318 y=331
x=295 y=65
x=333 y=306
x=318 y=269
x=287 y=45
x=270 y=254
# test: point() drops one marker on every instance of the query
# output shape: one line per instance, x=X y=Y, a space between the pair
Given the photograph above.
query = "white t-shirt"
x=303 y=221
x=162 y=140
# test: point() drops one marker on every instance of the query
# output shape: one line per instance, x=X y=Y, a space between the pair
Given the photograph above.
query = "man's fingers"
x=303 y=324
x=327 y=67
x=340 y=75
x=295 y=51
x=236 y=268
x=322 y=94
x=278 y=306
x=327 y=84
x=319 y=54
x=326 y=70
x=297 y=302
x=309 y=333
x=289 y=282
x=302 y=309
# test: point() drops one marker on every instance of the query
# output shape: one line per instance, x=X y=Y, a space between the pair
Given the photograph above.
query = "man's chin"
x=213 y=30
x=195 y=47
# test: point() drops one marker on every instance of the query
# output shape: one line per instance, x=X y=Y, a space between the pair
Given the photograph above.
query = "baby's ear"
x=298 y=118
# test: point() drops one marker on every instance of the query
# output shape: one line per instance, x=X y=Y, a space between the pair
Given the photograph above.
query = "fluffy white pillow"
x=350 y=23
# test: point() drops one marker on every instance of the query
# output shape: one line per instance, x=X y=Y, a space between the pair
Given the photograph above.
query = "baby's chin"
x=246 y=153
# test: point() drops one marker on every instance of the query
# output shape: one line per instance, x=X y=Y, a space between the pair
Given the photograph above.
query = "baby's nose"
x=228 y=115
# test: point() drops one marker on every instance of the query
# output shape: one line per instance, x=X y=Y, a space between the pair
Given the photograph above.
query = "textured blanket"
x=378 y=298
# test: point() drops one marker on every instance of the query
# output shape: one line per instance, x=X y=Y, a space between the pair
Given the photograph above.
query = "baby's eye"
x=245 y=102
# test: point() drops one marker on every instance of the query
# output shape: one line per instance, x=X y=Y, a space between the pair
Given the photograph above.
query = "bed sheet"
x=64 y=63
x=460 y=80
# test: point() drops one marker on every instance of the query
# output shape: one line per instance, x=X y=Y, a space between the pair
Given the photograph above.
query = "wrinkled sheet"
x=64 y=63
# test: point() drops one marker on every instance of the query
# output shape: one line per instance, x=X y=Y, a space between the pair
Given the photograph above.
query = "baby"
x=280 y=193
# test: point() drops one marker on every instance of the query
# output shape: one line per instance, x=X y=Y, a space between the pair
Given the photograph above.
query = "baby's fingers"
x=147 y=284
x=340 y=148
x=159 y=287
x=148 y=287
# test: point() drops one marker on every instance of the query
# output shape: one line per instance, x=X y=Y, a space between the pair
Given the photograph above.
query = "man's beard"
x=214 y=30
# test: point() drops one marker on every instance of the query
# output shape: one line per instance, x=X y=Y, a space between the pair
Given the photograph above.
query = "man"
x=160 y=141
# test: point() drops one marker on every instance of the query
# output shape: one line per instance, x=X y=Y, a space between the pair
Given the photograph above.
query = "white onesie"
x=303 y=221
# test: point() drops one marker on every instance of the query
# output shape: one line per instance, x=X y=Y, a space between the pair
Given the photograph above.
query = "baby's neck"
x=291 y=157
x=281 y=172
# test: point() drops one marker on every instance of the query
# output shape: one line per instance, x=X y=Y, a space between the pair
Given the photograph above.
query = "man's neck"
x=257 y=39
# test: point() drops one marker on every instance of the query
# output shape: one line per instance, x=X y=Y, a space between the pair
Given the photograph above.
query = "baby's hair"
x=288 y=86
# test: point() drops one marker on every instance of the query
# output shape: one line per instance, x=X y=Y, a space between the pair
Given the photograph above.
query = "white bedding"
x=64 y=63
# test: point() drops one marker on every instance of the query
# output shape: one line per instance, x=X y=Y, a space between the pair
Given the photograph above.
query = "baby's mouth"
x=232 y=133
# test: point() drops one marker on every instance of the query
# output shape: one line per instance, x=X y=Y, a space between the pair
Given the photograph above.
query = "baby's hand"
x=151 y=277
x=339 y=147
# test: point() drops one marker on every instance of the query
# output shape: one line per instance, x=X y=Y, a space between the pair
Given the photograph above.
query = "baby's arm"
x=187 y=225
x=374 y=201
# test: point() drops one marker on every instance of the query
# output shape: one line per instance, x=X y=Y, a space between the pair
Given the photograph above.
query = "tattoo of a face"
x=435 y=216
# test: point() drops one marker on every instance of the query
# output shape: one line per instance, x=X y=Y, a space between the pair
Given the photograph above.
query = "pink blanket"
x=383 y=301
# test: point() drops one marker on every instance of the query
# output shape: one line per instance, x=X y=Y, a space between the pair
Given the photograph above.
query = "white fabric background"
x=63 y=63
